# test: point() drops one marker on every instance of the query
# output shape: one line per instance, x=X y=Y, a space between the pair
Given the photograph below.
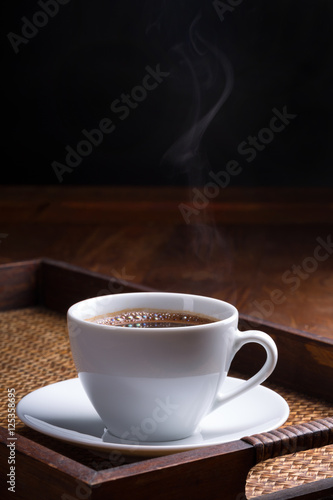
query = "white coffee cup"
x=157 y=384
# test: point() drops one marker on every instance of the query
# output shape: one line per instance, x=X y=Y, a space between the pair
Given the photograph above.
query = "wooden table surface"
x=269 y=251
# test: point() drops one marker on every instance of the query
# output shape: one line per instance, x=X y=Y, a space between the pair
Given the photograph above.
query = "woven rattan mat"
x=35 y=352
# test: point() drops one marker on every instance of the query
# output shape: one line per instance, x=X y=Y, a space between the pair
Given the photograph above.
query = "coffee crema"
x=133 y=318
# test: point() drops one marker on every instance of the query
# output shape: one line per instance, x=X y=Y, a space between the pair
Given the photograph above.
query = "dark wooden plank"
x=61 y=285
x=39 y=471
x=102 y=204
x=305 y=362
x=212 y=473
x=241 y=246
x=18 y=284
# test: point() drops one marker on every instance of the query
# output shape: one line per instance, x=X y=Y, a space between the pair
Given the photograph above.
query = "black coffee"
x=151 y=319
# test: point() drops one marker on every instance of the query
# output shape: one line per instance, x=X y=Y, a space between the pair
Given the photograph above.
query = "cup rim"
x=230 y=318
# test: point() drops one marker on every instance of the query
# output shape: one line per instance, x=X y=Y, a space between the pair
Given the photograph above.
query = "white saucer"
x=63 y=411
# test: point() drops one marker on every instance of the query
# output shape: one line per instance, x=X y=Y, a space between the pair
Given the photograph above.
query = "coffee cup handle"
x=242 y=338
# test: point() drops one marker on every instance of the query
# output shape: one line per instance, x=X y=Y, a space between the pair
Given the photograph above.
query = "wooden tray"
x=47 y=468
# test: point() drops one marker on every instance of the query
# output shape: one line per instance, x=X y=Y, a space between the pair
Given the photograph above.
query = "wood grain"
x=252 y=247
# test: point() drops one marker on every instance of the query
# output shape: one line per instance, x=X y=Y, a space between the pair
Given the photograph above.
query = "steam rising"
x=203 y=61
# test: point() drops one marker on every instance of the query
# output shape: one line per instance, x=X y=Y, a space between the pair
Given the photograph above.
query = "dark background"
x=66 y=76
